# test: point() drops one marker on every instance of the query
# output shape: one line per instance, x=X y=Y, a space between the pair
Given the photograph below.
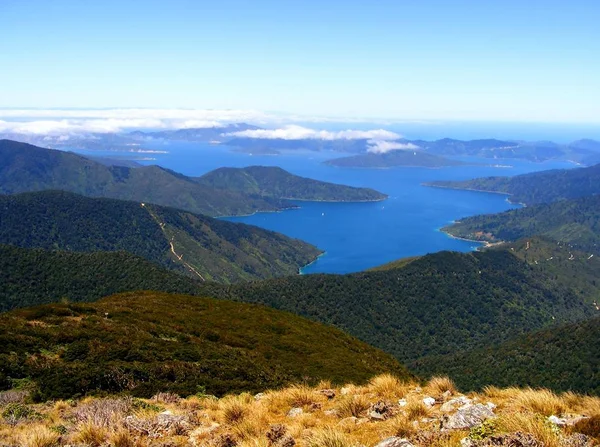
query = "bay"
x=358 y=236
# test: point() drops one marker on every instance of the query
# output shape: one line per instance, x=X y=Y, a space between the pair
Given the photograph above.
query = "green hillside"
x=145 y=342
x=199 y=246
x=537 y=187
x=24 y=168
x=275 y=182
x=576 y=222
x=393 y=159
x=562 y=359
x=225 y=192
x=30 y=277
x=436 y=304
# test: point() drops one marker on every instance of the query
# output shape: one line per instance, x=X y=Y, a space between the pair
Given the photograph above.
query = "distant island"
x=407 y=158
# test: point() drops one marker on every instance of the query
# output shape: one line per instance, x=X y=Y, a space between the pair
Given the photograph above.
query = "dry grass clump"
x=91 y=434
x=235 y=408
x=353 y=406
x=301 y=396
x=537 y=426
x=437 y=386
x=328 y=437
x=122 y=438
x=388 y=386
x=403 y=427
x=415 y=409
x=540 y=401
x=39 y=436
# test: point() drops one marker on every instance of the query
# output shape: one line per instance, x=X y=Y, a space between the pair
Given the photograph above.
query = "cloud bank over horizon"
x=64 y=123
x=295 y=132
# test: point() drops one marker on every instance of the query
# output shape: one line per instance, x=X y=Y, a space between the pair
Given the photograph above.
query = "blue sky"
x=432 y=59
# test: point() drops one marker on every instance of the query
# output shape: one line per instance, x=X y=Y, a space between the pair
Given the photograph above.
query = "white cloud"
x=57 y=122
x=381 y=147
x=293 y=132
x=78 y=121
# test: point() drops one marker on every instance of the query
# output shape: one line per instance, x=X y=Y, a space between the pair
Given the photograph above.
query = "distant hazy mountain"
x=199 y=246
x=200 y=134
x=24 y=167
x=256 y=145
x=537 y=187
x=275 y=182
x=395 y=158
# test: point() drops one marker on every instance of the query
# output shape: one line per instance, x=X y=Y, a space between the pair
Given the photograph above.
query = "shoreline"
x=339 y=201
x=430 y=185
x=300 y=272
x=484 y=244
x=280 y=210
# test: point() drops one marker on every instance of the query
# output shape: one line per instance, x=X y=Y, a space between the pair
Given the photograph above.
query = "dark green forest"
x=575 y=222
x=436 y=304
x=275 y=182
x=210 y=249
x=537 y=187
x=566 y=358
x=29 y=277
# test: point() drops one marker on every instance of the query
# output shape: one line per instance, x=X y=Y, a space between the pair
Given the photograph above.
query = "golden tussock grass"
x=540 y=401
x=437 y=386
x=328 y=437
x=388 y=386
x=536 y=425
x=416 y=409
x=39 y=436
x=353 y=406
x=324 y=422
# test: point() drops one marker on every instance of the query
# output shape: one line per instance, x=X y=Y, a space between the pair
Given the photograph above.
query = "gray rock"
x=577 y=440
x=376 y=416
x=452 y=404
x=395 y=442
x=466 y=417
x=295 y=412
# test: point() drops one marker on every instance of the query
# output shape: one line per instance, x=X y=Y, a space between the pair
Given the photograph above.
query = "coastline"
x=484 y=244
x=431 y=185
x=300 y=272
x=338 y=201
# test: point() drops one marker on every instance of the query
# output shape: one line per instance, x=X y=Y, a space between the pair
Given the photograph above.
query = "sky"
x=509 y=60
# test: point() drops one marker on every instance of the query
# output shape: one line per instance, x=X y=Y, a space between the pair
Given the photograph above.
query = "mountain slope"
x=26 y=168
x=537 y=187
x=394 y=158
x=275 y=182
x=142 y=343
x=576 y=222
x=436 y=304
x=200 y=246
x=30 y=277
x=565 y=358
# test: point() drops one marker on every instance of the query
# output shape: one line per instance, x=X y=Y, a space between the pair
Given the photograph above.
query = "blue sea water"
x=357 y=236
